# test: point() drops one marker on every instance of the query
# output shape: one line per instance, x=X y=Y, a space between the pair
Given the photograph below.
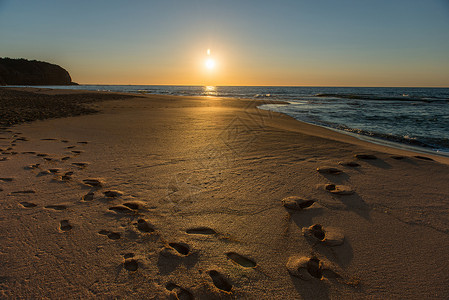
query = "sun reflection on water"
x=209 y=90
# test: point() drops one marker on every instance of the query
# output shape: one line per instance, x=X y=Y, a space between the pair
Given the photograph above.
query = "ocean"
x=416 y=118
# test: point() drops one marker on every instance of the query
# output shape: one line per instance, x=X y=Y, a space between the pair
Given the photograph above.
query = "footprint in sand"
x=27 y=204
x=64 y=141
x=181 y=248
x=129 y=207
x=144 y=226
x=48 y=158
x=329 y=170
x=88 y=197
x=23 y=139
x=80 y=164
x=241 y=260
x=43 y=173
x=310 y=268
x=93 y=182
x=65 y=225
x=121 y=209
x=77 y=151
x=220 y=281
x=3 y=159
x=83 y=143
x=23 y=192
x=54 y=170
x=49 y=139
x=296 y=203
x=29 y=152
x=131 y=265
x=113 y=194
x=6 y=179
x=351 y=164
x=65 y=158
x=201 y=230
x=133 y=205
x=41 y=154
x=179 y=292
x=365 y=156
x=67 y=176
x=339 y=189
x=56 y=207
x=329 y=236
x=175 y=250
x=110 y=234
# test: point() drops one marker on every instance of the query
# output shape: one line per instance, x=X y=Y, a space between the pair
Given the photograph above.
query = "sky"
x=290 y=43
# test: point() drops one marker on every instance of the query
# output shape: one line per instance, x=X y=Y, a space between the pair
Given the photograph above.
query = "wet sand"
x=209 y=198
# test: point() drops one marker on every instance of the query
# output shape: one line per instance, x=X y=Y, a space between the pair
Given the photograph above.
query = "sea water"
x=417 y=117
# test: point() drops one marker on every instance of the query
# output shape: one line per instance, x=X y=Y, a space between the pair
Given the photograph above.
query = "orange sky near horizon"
x=237 y=65
x=233 y=72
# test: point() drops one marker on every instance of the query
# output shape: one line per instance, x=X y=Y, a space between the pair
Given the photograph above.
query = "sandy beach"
x=158 y=197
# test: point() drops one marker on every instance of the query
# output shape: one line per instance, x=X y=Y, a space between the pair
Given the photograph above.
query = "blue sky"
x=336 y=43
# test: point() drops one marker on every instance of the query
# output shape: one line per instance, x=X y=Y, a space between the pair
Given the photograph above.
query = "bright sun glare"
x=210 y=63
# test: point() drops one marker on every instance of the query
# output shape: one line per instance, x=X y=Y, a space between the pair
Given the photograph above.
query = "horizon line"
x=231 y=85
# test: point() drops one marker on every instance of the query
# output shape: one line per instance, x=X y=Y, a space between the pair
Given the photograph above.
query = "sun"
x=210 y=63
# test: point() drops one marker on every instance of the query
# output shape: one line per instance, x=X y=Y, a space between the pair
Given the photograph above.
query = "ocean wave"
x=404 y=97
x=424 y=142
x=263 y=95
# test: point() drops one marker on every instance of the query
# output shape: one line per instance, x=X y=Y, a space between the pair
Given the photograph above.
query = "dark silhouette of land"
x=32 y=72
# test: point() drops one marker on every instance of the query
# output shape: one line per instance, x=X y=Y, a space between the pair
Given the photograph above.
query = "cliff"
x=32 y=72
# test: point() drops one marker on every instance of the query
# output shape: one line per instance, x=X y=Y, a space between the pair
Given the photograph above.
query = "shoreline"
x=171 y=196
x=405 y=149
x=387 y=143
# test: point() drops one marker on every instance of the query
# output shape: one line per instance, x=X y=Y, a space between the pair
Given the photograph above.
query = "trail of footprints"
x=310 y=268
x=64 y=225
x=306 y=268
x=132 y=208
